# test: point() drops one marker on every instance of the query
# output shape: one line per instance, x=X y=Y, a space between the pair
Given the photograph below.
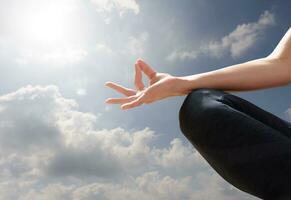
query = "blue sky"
x=59 y=140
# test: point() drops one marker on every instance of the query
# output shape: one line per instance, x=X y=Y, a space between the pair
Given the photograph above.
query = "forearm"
x=252 y=75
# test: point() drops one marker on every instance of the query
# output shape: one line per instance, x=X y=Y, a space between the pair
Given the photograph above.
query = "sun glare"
x=47 y=25
x=49 y=31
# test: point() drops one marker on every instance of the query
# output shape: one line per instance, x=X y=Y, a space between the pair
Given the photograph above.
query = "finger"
x=138 y=78
x=121 y=89
x=133 y=103
x=120 y=100
x=150 y=72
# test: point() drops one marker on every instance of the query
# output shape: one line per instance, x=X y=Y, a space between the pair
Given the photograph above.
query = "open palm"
x=161 y=85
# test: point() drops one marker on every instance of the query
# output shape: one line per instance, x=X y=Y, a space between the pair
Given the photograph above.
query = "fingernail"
x=138 y=60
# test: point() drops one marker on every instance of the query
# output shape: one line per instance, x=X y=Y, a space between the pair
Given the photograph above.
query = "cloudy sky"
x=59 y=140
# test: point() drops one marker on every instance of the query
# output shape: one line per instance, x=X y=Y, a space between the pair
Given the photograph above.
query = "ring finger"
x=121 y=100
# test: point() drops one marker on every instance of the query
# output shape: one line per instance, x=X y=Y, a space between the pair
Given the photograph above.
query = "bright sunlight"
x=48 y=22
x=49 y=31
x=47 y=25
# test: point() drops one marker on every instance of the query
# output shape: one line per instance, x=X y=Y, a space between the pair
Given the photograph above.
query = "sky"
x=58 y=138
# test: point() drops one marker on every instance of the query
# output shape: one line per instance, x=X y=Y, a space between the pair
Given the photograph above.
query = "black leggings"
x=248 y=146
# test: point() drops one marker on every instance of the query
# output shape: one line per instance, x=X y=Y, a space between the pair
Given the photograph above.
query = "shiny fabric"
x=248 y=146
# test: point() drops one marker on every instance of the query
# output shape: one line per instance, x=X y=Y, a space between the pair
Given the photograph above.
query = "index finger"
x=150 y=72
x=138 y=78
x=121 y=89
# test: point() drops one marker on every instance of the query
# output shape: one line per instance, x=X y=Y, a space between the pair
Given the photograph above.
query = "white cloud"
x=103 y=48
x=59 y=56
x=50 y=150
x=136 y=44
x=119 y=5
x=182 y=55
x=150 y=185
x=81 y=91
x=242 y=38
x=68 y=55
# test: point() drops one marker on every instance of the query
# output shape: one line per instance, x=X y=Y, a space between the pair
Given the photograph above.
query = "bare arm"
x=271 y=71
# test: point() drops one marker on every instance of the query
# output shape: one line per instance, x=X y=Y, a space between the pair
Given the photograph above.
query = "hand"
x=161 y=85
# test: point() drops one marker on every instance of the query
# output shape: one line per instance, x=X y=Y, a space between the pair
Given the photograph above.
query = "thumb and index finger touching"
x=140 y=66
x=149 y=71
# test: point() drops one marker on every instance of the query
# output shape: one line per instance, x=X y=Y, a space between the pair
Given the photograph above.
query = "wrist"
x=188 y=83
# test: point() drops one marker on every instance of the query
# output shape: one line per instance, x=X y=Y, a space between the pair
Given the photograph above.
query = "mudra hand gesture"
x=161 y=85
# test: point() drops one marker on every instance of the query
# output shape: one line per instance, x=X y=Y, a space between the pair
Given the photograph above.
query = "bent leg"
x=248 y=146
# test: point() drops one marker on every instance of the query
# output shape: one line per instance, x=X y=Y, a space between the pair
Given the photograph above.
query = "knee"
x=197 y=109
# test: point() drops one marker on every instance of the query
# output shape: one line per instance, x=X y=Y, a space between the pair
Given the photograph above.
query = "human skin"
x=271 y=71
